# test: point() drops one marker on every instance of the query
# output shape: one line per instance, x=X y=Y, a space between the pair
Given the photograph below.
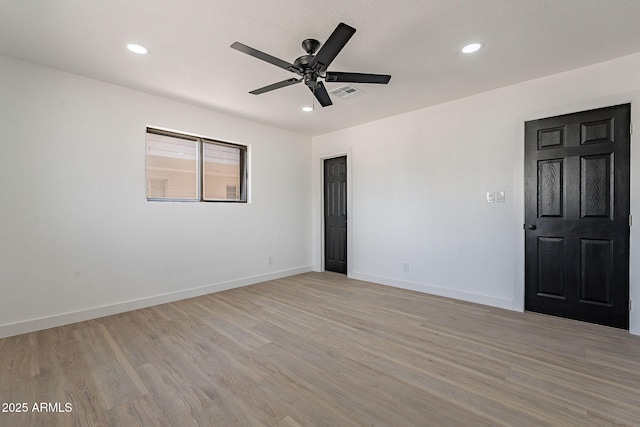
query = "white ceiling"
x=418 y=42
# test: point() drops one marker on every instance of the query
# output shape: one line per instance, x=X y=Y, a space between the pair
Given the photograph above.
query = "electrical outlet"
x=405 y=267
x=499 y=196
x=269 y=260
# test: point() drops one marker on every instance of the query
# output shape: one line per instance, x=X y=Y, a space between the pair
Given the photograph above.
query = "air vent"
x=346 y=92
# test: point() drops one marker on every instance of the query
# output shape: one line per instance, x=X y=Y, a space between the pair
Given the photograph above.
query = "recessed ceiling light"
x=307 y=108
x=138 y=48
x=472 y=47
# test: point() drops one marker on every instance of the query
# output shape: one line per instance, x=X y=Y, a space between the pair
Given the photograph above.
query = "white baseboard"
x=53 y=321
x=435 y=290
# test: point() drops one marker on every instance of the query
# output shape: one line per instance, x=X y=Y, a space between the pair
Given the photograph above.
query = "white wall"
x=419 y=183
x=78 y=238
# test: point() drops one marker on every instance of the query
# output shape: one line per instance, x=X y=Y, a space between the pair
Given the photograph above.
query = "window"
x=188 y=168
x=221 y=170
x=172 y=167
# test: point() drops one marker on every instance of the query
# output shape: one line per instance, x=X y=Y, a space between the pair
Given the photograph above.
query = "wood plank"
x=320 y=349
x=74 y=374
x=19 y=358
x=113 y=377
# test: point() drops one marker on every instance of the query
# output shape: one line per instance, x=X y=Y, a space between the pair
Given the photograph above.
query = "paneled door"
x=577 y=216
x=335 y=214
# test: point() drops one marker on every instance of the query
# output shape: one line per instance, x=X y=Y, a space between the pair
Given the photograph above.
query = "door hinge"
x=630 y=128
x=630 y=220
x=629 y=305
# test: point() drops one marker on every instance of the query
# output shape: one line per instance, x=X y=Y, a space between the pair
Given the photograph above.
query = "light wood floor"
x=320 y=350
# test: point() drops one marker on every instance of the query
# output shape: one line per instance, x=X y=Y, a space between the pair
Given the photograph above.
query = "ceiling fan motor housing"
x=302 y=62
x=309 y=75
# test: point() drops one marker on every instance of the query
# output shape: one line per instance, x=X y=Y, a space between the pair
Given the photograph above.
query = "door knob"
x=532 y=227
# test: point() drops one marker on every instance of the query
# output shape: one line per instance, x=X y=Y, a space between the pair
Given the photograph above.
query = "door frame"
x=318 y=208
x=519 y=198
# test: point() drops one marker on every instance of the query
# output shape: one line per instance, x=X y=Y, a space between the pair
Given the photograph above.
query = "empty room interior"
x=319 y=213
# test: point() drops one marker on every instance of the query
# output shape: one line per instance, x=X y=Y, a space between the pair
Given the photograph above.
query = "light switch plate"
x=490 y=197
x=499 y=196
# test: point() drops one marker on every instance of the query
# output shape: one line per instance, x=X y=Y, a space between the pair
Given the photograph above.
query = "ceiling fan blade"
x=265 y=57
x=321 y=94
x=334 y=44
x=274 y=86
x=337 y=76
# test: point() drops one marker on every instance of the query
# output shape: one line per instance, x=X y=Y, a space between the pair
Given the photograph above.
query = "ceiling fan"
x=312 y=67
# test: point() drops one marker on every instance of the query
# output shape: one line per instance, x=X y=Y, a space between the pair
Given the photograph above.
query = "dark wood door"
x=577 y=216
x=335 y=214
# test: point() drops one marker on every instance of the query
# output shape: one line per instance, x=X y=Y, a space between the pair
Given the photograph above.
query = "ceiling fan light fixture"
x=138 y=48
x=472 y=47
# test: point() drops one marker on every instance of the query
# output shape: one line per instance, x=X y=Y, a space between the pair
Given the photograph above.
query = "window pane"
x=172 y=166
x=221 y=169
